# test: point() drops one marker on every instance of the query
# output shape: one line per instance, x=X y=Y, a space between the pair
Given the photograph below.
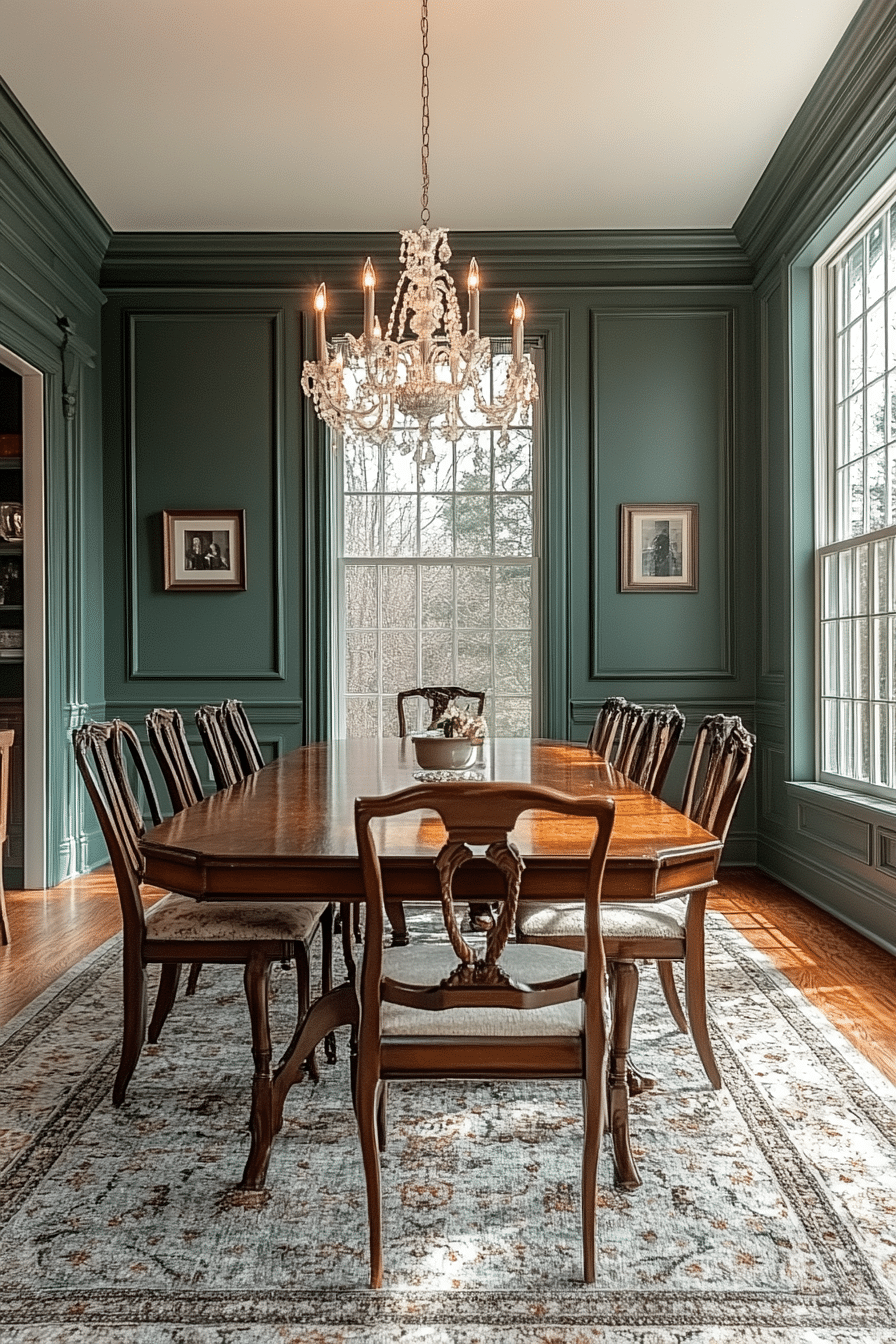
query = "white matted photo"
x=658 y=548
x=205 y=550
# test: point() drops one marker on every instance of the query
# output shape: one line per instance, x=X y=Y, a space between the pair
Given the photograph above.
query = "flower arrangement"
x=453 y=722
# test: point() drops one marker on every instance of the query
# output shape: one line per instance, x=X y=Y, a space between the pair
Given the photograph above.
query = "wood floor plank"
x=849 y=978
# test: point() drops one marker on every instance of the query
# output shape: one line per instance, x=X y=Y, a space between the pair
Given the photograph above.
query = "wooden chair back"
x=606 y=725
x=219 y=746
x=242 y=736
x=720 y=762
x=478 y=814
x=660 y=733
x=625 y=749
x=168 y=740
x=437 y=697
x=99 y=758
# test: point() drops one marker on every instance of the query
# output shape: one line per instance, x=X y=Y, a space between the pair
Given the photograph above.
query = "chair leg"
x=367 y=1108
x=168 y=983
x=595 y=1119
x=256 y=980
x=356 y=921
x=395 y=916
x=695 y=990
x=303 y=990
x=133 y=1026
x=326 y=975
x=193 y=978
x=670 y=994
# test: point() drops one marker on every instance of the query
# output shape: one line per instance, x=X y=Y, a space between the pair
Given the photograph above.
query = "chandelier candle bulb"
x=320 y=322
x=473 y=293
x=369 y=299
x=519 y=313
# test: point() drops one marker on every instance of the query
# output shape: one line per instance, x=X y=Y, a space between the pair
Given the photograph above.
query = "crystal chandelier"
x=419 y=377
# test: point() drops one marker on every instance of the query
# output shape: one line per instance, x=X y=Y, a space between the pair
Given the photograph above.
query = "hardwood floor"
x=847 y=977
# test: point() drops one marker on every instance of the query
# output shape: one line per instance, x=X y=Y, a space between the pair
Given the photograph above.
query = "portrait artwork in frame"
x=658 y=548
x=205 y=550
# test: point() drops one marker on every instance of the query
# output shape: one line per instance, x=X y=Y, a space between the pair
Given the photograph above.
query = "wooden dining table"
x=287 y=831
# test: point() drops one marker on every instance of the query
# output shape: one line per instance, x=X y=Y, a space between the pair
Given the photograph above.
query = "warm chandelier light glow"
x=426 y=368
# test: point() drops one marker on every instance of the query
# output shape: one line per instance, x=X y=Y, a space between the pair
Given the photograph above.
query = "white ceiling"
x=305 y=114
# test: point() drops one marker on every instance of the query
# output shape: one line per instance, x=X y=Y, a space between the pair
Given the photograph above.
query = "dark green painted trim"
x=727 y=512
x=844 y=124
x=318 y=484
x=556 y=542
x=32 y=159
x=131 y=318
x=302 y=260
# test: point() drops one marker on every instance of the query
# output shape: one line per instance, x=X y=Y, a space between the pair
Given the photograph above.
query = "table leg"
x=625 y=994
x=337 y=1008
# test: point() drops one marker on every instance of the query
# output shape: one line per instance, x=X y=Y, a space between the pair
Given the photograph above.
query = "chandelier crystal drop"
x=426 y=372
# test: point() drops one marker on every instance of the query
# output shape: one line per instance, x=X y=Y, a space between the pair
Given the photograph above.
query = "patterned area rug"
x=767 y=1213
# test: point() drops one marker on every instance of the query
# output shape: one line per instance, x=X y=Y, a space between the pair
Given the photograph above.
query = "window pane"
x=437 y=572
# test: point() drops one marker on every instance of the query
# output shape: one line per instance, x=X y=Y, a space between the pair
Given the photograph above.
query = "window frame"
x=535 y=348
x=824 y=400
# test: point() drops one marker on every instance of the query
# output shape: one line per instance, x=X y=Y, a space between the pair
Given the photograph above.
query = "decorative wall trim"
x=869 y=909
x=131 y=319
x=556 y=257
x=836 y=831
x=727 y=489
x=775 y=285
x=35 y=163
x=842 y=126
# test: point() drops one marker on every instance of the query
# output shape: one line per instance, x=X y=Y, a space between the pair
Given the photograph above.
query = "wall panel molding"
x=135 y=670
x=601 y=668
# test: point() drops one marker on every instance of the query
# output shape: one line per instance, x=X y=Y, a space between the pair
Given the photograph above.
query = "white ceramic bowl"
x=435 y=752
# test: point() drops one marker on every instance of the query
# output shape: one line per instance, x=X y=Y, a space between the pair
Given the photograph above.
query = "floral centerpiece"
x=453 y=722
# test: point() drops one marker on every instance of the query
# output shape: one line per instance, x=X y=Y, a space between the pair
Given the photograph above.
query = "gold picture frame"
x=658 y=548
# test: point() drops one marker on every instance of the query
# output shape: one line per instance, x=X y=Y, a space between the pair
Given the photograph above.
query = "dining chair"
x=168 y=740
x=664 y=931
x=606 y=726
x=448 y=1010
x=242 y=736
x=7 y=736
x=437 y=698
x=661 y=729
x=178 y=928
x=224 y=758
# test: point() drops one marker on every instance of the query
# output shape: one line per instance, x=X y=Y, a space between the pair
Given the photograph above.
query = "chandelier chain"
x=424 y=94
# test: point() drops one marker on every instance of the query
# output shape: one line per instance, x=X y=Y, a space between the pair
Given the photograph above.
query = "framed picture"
x=658 y=548
x=11 y=522
x=205 y=550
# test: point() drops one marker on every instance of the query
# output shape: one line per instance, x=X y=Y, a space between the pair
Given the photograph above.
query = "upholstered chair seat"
x=428 y=963
x=186 y=920
x=617 y=921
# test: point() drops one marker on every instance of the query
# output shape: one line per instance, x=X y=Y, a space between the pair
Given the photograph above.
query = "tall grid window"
x=437 y=576
x=857 y=578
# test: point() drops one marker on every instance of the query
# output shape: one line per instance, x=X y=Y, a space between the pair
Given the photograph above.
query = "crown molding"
x=545 y=258
x=43 y=175
x=843 y=126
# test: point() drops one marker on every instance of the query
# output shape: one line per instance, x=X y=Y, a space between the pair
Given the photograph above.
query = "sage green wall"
x=52 y=242
x=833 y=846
x=646 y=398
x=201 y=414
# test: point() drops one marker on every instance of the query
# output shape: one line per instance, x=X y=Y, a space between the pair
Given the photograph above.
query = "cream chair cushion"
x=429 y=963
x=567 y=920
x=184 y=920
